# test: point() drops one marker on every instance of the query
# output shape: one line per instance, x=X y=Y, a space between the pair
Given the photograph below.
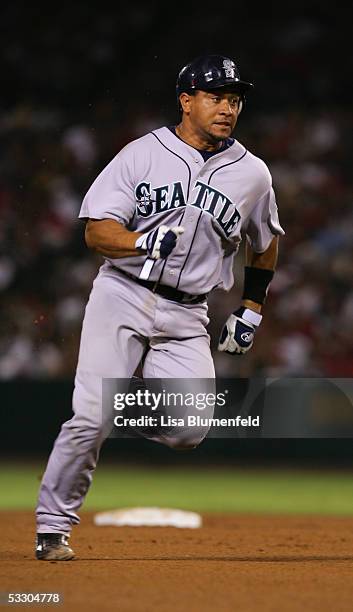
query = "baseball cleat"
x=53 y=547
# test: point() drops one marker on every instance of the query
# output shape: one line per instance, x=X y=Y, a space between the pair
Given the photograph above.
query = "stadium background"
x=78 y=84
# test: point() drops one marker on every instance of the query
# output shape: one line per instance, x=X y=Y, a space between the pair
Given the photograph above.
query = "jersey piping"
x=192 y=242
x=165 y=261
x=183 y=160
x=225 y=165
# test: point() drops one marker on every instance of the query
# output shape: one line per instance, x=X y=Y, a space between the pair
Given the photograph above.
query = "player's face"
x=214 y=113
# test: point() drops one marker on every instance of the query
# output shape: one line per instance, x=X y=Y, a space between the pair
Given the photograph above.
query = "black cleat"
x=53 y=547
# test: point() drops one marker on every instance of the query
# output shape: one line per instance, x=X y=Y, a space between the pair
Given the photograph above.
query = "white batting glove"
x=237 y=335
x=160 y=242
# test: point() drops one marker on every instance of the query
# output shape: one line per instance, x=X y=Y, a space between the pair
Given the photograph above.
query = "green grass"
x=206 y=489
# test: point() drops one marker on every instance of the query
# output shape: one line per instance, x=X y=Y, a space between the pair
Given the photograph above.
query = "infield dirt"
x=234 y=562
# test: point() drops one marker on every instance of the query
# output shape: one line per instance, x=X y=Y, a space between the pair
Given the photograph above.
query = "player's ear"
x=185 y=102
x=240 y=106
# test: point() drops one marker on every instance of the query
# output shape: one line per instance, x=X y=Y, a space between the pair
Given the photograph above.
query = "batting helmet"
x=209 y=72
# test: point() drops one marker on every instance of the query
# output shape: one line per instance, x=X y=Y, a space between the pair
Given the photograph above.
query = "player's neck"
x=192 y=138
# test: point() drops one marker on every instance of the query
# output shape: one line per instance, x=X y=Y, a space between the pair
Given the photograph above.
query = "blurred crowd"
x=54 y=145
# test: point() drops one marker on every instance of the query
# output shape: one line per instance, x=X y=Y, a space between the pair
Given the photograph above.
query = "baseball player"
x=167 y=214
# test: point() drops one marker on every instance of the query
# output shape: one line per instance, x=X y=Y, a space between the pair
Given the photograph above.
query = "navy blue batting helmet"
x=209 y=72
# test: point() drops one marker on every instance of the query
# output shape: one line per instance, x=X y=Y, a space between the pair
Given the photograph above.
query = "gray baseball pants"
x=122 y=320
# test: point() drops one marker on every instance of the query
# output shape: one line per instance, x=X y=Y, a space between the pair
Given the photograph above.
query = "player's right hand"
x=160 y=242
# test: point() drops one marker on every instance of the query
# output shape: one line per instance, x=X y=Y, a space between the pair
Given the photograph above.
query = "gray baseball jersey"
x=159 y=179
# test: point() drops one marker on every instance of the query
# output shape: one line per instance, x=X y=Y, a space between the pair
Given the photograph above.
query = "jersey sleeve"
x=111 y=195
x=263 y=223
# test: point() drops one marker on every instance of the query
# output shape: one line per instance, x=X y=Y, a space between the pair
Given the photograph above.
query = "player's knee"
x=85 y=433
x=185 y=440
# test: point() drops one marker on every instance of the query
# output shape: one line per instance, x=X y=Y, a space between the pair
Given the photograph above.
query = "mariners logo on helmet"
x=229 y=68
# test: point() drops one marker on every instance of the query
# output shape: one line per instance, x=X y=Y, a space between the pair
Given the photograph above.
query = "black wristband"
x=256 y=283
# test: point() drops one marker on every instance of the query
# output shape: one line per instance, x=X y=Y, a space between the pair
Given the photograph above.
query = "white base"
x=149 y=517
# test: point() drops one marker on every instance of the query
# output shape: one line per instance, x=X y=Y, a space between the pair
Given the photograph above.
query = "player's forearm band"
x=256 y=283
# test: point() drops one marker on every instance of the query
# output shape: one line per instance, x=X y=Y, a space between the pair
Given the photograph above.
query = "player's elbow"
x=95 y=235
x=89 y=236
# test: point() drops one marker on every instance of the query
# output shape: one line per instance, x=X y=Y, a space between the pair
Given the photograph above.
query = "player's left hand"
x=237 y=335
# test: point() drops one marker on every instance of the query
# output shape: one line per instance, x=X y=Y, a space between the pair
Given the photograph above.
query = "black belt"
x=167 y=292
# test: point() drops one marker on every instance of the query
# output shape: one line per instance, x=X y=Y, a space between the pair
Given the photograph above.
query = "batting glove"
x=237 y=336
x=160 y=242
